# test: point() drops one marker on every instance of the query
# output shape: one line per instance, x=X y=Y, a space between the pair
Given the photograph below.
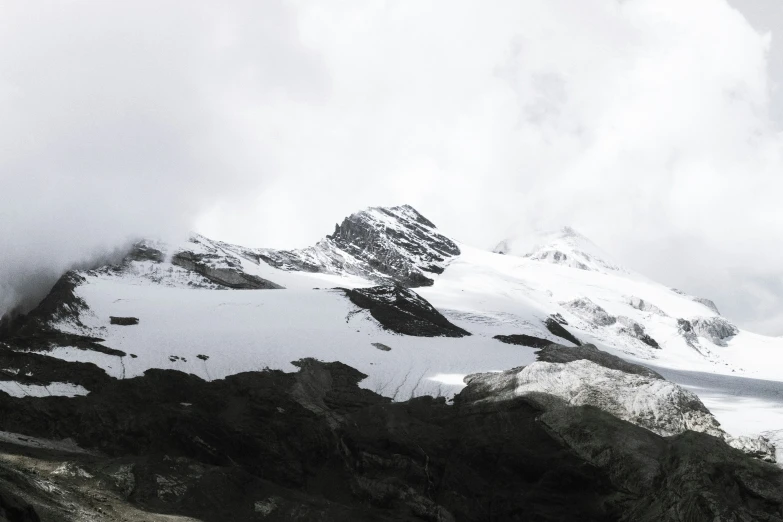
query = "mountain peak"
x=565 y=246
x=382 y=244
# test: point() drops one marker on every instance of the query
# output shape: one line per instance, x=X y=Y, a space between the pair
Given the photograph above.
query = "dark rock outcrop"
x=557 y=329
x=37 y=330
x=403 y=311
x=61 y=304
x=229 y=276
x=124 y=321
x=524 y=340
x=145 y=251
x=312 y=445
x=685 y=329
x=555 y=353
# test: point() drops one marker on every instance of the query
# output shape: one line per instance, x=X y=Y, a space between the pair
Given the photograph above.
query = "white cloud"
x=116 y=122
x=643 y=123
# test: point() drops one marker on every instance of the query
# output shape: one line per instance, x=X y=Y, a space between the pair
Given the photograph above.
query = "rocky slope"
x=381 y=244
x=585 y=376
x=403 y=311
x=312 y=445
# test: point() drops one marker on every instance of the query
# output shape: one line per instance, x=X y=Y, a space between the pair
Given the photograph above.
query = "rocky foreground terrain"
x=313 y=445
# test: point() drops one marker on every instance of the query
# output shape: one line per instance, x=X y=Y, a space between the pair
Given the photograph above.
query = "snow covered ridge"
x=209 y=298
x=565 y=247
x=629 y=394
x=376 y=245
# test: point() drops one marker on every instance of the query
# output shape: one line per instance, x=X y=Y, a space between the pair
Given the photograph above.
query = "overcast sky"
x=652 y=126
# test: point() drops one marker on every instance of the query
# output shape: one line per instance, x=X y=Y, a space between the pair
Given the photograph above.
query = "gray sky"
x=652 y=126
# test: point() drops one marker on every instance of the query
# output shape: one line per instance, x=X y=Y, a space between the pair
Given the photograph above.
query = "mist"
x=651 y=126
x=121 y=121
x=648 y=125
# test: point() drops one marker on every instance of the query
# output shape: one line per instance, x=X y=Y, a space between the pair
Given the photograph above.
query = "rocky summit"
x=381 y=244
x=387 y=372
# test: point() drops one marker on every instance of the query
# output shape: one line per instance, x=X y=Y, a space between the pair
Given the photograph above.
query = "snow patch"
x=55 y=389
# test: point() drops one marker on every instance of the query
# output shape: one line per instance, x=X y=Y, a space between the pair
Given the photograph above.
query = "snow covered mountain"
x=565 y=284
x=417 y=313
x=565 y=247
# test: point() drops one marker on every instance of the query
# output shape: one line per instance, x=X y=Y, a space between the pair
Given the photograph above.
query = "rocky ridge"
x=585 y=376
x=403 y=311
x=395 y=244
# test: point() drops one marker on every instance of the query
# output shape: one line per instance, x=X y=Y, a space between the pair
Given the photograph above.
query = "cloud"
x=119 y=121
x=645 y=124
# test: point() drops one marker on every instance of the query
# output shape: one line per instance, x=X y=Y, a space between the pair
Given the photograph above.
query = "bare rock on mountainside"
x=646 y=306
x=60 y=305
x=524 y=340
x=124 y=321
x=395 y=244
x=586 y=376
x=716 y=329
x=555 y=353
x=226 y=275
x=313 y=445
x=633 y=329
x=556 y=328
x=403 y=311
x=590 y=312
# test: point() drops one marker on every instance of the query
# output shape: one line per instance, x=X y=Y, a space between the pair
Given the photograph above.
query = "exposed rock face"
x=672 y=479
x=403 y=311
x=716 y=329
x=124 y=321
x=685 y=328
x=524 y=340
x=653 y=403
x=146 y=251
x=637 y=331
x=590 y=312
x=645 y=306
x=585 y=376
x=394 y=244
x=557 y=329
x=222 y=270
x=312 y=445
x=61 y=305
x=556 y=353
x=559 y=318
